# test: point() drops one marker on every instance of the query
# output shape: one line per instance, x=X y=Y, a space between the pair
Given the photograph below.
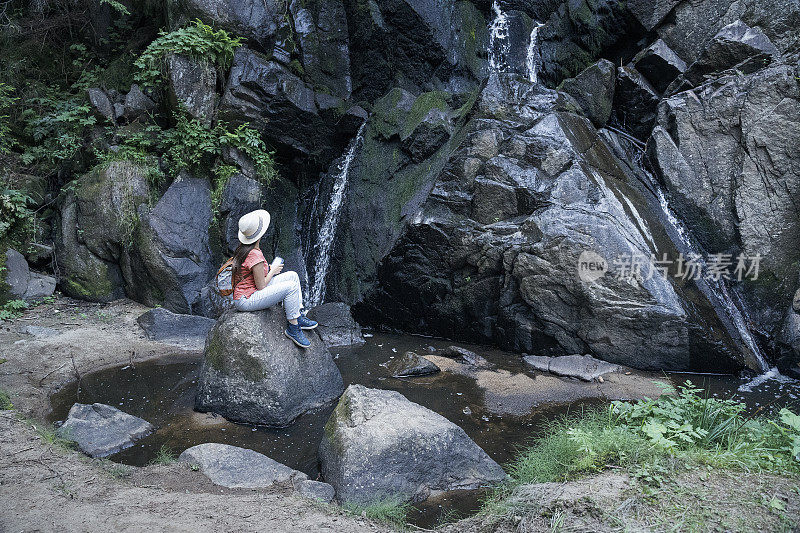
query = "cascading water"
x=499 y=45
x=532 y=59
x=324 y=242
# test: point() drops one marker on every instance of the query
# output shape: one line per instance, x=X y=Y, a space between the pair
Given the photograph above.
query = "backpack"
x=224 y=280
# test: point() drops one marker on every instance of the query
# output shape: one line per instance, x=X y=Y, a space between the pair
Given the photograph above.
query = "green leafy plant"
x=789 y=427
x=12 y=309
x=165 y=456
x=198 y=40
x=6 y=101
x=16 y=215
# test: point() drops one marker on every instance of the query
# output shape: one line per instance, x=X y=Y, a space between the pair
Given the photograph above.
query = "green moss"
x=422 y=106
x=92 y=289
x=232 y=359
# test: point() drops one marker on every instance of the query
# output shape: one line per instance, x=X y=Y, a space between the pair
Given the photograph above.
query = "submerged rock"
x=336 y=324
x=101 y=430
x=252 y=373
x=238 y=468
x=468 y=358
x=378 y=444
x=411 y=364
x=583 y=367
x=188 y=331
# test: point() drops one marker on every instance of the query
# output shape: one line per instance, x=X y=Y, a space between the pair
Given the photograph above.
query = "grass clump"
x=390 y=510
x=5 y=400
x=652 y=439
x=165 y=456
x=51 y=437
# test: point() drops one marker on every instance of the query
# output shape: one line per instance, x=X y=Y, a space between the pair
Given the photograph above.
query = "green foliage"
x=12 y=309
x=165 y=456
x=389 y=510
x=5 y=401
x=56 y=124
x=6 y=101
x=789 y=427
x=116 y=6
x=50 y=437
x=16 y=215
x=198 y=41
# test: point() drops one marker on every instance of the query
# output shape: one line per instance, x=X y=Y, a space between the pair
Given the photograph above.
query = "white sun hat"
x=253 y=225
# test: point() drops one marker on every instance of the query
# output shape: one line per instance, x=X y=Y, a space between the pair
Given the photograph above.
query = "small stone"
x=101 y=103
x=238 y=468
x=467 y=357
x=101 y=430
x=316 y=490
x=410 y=364
x=583 y=367
x=39 y=331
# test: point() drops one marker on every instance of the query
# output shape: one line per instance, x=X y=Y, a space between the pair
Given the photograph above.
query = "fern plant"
x=6 y=101
x=199 y=41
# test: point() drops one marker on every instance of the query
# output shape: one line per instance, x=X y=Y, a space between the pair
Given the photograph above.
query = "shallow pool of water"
x=162 y=392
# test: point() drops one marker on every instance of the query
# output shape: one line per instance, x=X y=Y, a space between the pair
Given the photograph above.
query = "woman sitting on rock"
x=258 y=285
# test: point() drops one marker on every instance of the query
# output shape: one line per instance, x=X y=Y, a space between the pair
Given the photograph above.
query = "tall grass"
x=389 y=510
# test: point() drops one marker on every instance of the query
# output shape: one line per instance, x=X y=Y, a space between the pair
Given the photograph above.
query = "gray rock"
x=101 y=103
x=736 y=46
x=726 y=153
x=651 y=12
x=252 y=373
x=584 y=367
x=635 y=102
x=192 y=85
x=212 y=303
x=593 y=89
x=172 y=261
x=188 y=331
x=336 y=324
x=39 y=331
x=137 y=103
x=659 y=64
x=101 y=430
x=23 y=282
x=410 y=365
x=693 y=24
x=287 y=110
x=467 y=357
x=238 y=468
x=796 y=301
x=315 y=490
x=378 y=444
x=256 y=20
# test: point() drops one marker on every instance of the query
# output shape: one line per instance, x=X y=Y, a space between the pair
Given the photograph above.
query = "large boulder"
x=99 y=218
x=252 y=373
x=593 y=89
x=727 y=153
x=659 y=64
x=100 y=430
x=736 y=46
x=635 y=102
x=172 y=258
x=238 y=468
x=23 y=282
x=287 y=110
x=377 y=444
x=187 y=331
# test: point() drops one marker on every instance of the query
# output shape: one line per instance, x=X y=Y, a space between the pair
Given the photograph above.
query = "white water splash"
x=499 y=45
x=324 y=243
x=770 y=375
x=532 y=59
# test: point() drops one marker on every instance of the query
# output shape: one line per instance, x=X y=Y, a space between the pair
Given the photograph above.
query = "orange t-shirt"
x=247 y=284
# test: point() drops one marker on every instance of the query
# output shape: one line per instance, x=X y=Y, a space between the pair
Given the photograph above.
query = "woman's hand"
x=274 y=271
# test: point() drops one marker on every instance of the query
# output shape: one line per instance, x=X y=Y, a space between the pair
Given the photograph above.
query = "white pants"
x=284 y=286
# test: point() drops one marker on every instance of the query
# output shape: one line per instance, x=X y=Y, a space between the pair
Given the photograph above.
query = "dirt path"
x=46 y=488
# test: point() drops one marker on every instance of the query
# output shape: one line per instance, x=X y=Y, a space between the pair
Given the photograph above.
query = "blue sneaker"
x=306 y=323
x=294 y=332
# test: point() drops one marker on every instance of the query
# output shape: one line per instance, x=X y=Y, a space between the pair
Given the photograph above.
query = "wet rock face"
x=410 y=365
x=378 y=444
x=513 y=280
x=336 y=324
x=101 y=430
x=192 y=86
x=727 y=153
x=659 y=64
x=593 y=89
x=238 y=468
x=286 y=110
x=256 y=20
x=252 y=373
x=635 y=102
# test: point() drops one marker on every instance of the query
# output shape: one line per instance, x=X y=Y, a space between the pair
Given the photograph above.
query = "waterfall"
x=324 y=242
x=532 y=59
x=715 y=290
x=499 y=45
